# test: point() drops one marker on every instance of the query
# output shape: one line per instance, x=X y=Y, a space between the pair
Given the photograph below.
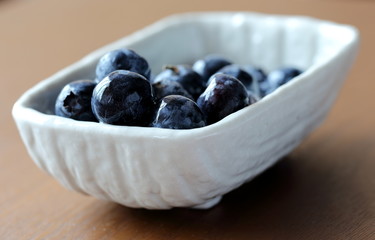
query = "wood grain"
x=325 y=189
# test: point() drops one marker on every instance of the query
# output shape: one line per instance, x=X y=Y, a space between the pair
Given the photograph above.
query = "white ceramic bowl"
x=162 y=168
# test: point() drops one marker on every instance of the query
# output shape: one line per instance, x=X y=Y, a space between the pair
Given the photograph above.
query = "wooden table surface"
x=325 y=189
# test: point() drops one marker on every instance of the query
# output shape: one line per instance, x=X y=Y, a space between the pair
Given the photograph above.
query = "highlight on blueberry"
x=224 y=95
x=209 y=65
x=123 y=98
x=178 y=112
x=122 y=59
x=74 y=101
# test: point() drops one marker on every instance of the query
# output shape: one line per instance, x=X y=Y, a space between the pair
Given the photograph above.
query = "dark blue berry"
x=74 y=101
x=237 y=72
x=122 y=59
x=258 y=76
x=257 y=73
x=278 y=78
x=224 y=95
x=210 y=65
x=123 y=98
x=178 y=112
x=186 y=76
x=167 y=87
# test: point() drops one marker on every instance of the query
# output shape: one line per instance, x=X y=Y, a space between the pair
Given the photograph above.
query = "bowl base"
x=209 y=204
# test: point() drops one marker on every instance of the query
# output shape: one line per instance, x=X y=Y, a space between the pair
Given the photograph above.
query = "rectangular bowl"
x=162 y=168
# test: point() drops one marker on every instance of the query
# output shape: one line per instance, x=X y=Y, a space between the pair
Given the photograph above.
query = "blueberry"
x=122 y=59
x=257 y=73
x=167 y=87
x=237 y=72
x=224 y=95
x=278 y=78
x=186 y=76
x=178 y=112
x=74 y=101
x=123 y=98
x=259 y=76
x=209 y=65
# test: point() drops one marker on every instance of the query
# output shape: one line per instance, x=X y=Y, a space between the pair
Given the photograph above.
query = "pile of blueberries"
x=179 y=97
